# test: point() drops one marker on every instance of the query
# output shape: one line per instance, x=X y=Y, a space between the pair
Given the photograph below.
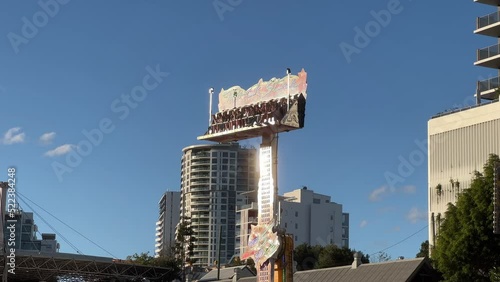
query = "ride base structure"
x=264 y=110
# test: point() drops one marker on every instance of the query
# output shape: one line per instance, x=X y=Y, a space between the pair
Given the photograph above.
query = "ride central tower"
x=264 y=110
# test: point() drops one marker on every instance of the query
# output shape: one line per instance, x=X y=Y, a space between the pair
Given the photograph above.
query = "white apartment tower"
x=461 y=141
x=211 y=178
x=310 y=217
x=167 y=221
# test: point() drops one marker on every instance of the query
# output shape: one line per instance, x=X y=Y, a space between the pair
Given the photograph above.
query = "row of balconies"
x=489 y=57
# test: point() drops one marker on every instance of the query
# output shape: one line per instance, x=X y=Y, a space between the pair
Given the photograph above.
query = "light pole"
x=211 y=92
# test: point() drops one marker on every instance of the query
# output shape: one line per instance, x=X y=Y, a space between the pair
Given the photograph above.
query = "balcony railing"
x=488 y=20
x=489 y=84
x=488 y=52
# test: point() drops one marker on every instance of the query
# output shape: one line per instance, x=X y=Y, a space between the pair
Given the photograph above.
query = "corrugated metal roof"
x=227 y=273
x=392 y=271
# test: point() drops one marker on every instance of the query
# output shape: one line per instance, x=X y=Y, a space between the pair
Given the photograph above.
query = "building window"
x=316 y=201
x=296 y=226
x=286 y=225
x=296 y=214
x=225 y=155
x=296 y=238
x=331 y=217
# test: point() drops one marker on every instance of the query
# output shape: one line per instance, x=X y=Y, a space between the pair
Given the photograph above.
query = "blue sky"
x=65 y=67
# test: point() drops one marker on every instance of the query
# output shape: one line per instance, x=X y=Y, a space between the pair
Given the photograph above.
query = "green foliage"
x=251 y=263
x=306 y=256
x=424 y=250
x=185 y=240
x=142 y=258
x=314 y=257
x=161 y=261
x=495 y=274
x=466 y=248
x=439 y=189
x=382 y=256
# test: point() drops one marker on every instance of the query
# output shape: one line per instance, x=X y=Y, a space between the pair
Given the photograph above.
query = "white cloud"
x=409 y=189
x=47 y=138
x=363 y=223
x=415 y=215
x=61 y=150
x=376 y=194
x=13 y=135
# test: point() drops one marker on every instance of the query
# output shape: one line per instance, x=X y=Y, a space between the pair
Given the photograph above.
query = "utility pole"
x=218 y=252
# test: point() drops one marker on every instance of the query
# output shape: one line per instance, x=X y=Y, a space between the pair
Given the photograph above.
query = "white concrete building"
x=167 y=221
x=211 y=178
x=459 y=144
x=312 y=218
x=461 y=141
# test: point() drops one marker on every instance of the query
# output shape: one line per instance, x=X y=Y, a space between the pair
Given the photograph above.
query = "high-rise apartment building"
x=167 y=221
x=461 y=141
x=310 y=217
x=212 y=176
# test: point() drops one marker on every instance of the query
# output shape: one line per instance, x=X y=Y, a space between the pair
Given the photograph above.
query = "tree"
x=142 y=258
x=184 y=245
x=251 y=263
x=466 y=248
x=424 y=250
x=161 y=261
x=306 y=256
x=314 y=257
x=382 y=256
x=332 y=256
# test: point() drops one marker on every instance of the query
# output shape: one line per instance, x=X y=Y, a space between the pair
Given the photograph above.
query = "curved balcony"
x=200 y=168
x=200 y=162
x=200 y=156
x=199 y=189
x=489 y=57
x=199 y=175
x=199 y=181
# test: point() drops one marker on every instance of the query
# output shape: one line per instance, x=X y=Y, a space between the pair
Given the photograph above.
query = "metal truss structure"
x=37 y=267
